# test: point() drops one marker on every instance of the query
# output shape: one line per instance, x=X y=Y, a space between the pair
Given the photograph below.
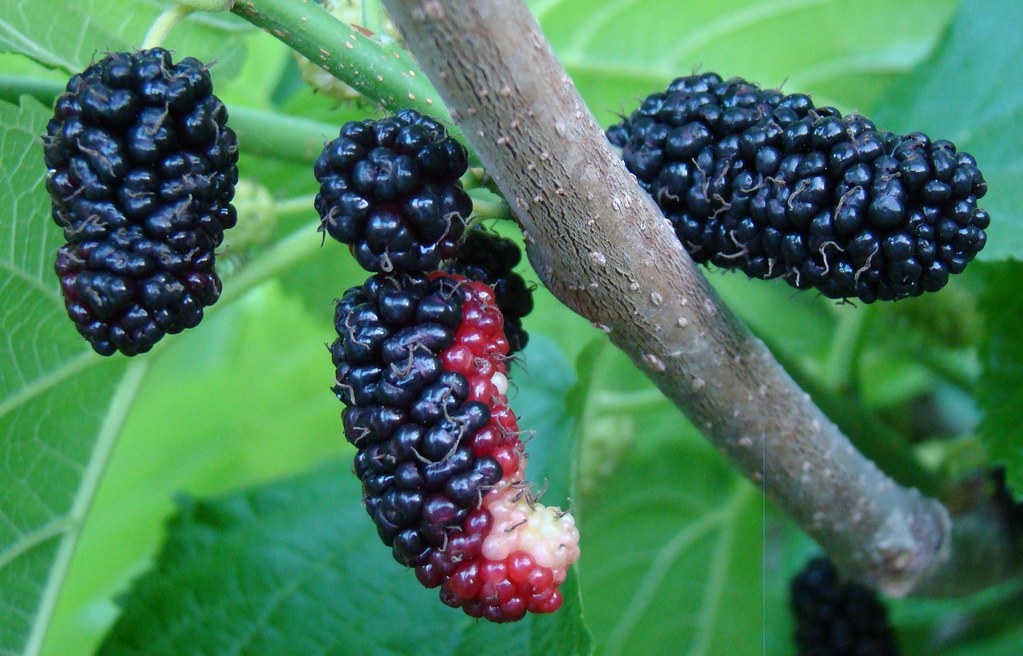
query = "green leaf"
x=69 y=34
x=250 y=418
x=1001 y=382
x=61 y=405
x=296 y=567
x=971 y=92
x=673 y=538
x=846 y=53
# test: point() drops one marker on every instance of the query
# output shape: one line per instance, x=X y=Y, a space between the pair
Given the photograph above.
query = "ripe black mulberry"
x=768 y=183
x=390 y=189
x=142 y=173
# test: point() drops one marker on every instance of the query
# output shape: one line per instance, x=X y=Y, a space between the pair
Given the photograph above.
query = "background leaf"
x=675 y=542
x=296 y=567
x=88 y=28
x=846 y=53
x=1001 y=383
x=61 y=405
x=971 y=91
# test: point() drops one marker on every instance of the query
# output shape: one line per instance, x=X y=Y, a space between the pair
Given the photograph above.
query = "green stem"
x=279 y=135
x=490 y=209
x=386 y=74
x=163 y=25
x=42 y=89
x=295 y=205
x=260 y=132
x=287 y=252
x=373 y=16
x=841 y=366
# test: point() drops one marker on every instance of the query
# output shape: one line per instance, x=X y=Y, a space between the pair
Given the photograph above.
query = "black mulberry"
x=142 y=172
x=390 y=189
x=838 y=618
x=489 y=258
x=768 y=183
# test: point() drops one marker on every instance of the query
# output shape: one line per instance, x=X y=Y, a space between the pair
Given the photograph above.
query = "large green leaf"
x=213 y=414
x=845 y=52
x=971 y=92
x=675 y=542
x=1001 y=383
x=61 y=405
x=297 y=568
x=69 y=34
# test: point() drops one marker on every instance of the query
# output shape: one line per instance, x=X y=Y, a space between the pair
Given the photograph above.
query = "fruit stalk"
x=602 y=247
x=385 y=74
x=263 y=133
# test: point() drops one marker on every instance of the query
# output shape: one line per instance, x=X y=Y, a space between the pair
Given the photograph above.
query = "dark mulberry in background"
x=768 y=183
x=838 y=618
x=489 y=258
x=390 y=190
x=142 y=172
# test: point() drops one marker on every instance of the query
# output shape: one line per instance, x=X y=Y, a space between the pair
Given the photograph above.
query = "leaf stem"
x=287 y=252
x=162 y=26
x=120 y=404
x=384 y=73
x=295 y=205
x=269 y=134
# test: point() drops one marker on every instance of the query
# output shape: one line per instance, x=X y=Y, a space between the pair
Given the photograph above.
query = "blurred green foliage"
x=680 y=555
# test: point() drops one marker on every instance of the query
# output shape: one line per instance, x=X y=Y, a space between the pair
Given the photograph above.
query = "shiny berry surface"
x=422 y=365
x=769 y=184
x=141 y=176
x=390 y=189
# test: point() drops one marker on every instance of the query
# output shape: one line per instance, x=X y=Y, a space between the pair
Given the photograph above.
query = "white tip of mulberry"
x=500 y=382
x=547 y=534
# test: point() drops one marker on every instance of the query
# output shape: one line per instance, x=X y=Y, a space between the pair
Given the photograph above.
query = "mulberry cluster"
x=142 y=172
x=768 y=183
x=390 y=189
x=421 y=364
x=489 y=258
x=836 y=618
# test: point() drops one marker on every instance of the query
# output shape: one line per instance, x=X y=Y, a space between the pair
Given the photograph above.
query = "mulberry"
x=489 y=258
x=390 y=189
x=768 y=183
x=836 y=618
x=142 y=173
x=420 y=363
